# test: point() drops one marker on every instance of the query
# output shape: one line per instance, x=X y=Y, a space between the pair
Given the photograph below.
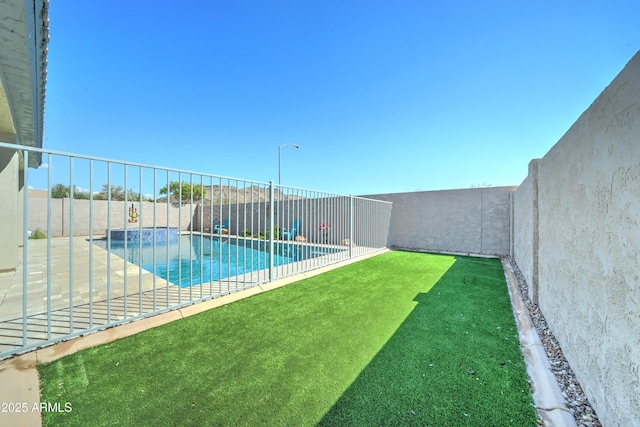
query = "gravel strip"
x=574 y=397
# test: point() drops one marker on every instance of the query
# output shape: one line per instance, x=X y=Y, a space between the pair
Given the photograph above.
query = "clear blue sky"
x=381 y=96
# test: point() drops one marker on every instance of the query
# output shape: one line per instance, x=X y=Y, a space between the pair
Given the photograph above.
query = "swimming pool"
x=194 y=259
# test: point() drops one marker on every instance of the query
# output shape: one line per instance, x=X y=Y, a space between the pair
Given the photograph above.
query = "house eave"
x=24 y=36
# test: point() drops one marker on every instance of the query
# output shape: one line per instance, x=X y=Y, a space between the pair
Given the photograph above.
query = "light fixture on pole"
x=279 y=150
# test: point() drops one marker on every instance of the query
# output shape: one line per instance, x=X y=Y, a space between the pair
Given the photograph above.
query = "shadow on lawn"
x=453 y=361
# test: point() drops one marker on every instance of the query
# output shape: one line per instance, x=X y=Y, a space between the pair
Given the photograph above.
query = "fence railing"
x=106 y=242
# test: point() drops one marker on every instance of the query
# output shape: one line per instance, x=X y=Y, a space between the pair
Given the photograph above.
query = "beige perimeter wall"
x=61 y=211
x=475 y=220
x=525 y=229
x=370 y=219
x=584 y=262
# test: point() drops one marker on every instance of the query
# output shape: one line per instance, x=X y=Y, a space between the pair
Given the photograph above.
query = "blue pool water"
x=191 y=260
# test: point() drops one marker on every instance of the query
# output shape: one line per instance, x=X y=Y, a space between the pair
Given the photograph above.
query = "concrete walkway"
x=20 y=384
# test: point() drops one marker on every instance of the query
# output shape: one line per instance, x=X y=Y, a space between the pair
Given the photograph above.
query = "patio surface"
x=93 y=303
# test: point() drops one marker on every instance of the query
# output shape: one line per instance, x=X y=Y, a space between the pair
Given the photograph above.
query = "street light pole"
x=279 y=156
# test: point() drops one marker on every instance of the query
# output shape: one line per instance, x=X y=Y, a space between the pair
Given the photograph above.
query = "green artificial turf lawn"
x=399 y=339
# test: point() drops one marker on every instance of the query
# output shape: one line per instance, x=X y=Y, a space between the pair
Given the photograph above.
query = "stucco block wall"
x=61 y=211
x=255 y=217
x=525 y=217
x=473 y=220
x=589 y=247
x=371 y=219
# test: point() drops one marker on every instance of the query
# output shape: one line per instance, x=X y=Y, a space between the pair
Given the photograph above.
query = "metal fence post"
x=25 y=241
x=71 y=233
x=270 y=231
x=49 y=231
x=351 y=226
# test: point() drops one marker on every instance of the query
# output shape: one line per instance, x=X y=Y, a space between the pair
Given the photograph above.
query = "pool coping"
x=21 y=386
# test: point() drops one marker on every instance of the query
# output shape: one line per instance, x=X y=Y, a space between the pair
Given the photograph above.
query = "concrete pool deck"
x=20 y=384
x=100 y=288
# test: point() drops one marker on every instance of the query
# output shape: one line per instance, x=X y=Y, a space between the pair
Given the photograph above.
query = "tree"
x=184 y=190
x=116 y=191
x=79 y=194
x=132 y=196
x=61 y=191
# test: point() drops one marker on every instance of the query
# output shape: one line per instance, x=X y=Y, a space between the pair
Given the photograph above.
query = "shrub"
x=38 y=235
x=264 y=234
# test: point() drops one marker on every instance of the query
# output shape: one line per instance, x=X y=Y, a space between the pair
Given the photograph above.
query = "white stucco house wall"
x=24 y=34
